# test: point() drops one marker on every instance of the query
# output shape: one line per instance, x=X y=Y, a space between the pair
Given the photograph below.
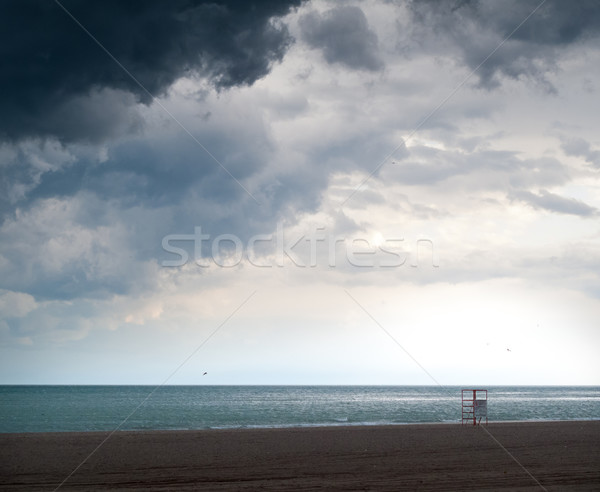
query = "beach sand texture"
x=560 y=455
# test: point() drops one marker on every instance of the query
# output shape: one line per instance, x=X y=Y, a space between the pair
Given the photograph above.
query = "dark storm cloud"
x=80 y=228
x=57 y=82
x=555 y=203
x=478 y=27
x=75 y=223
x=344 y=36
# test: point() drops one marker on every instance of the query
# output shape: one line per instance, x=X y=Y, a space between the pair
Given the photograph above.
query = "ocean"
x=104 y=408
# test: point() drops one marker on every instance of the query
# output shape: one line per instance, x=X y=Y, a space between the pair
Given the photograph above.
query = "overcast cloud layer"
x=360 y=154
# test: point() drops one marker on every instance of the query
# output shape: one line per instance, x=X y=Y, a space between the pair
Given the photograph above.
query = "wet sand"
x=560 y=455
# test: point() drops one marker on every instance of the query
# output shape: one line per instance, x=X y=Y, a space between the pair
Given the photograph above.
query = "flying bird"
x=205 y=374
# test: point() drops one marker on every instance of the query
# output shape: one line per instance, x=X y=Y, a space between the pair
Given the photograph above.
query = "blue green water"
x=91 y=408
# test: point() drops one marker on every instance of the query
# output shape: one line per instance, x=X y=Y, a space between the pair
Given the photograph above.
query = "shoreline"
x=301 y=426
x=561 y=455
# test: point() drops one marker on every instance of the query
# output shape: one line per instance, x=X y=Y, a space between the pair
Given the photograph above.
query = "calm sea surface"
x=88 y=408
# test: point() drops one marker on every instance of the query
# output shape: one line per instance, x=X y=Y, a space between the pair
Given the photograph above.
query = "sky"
x=300 y=192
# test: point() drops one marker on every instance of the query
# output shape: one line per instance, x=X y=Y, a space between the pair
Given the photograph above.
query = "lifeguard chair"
x=474 y=406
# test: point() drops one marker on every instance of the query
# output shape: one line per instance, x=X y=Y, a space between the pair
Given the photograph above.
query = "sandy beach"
x=560 y=455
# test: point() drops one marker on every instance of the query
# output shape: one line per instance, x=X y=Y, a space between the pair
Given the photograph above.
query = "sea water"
x=104 y=408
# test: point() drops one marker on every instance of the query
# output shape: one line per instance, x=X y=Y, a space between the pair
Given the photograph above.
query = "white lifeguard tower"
x=474 y=406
